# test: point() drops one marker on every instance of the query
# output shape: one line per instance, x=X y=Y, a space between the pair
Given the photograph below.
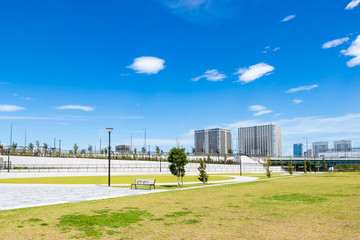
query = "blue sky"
x=69 y=69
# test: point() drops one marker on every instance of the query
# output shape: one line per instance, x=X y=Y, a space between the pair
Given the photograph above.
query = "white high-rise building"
x=261 y=141
x=320 y=147
x=343 y=146
x=213 y=140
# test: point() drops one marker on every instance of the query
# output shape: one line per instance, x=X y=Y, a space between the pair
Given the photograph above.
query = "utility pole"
x=25 y=139
x=54 y=142
x=149 y=152
x=145 y=139
x=59 y=147
x=131 y=143
x=11 y=126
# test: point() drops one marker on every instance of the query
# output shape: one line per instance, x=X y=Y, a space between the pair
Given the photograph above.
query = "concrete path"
x=31 y=195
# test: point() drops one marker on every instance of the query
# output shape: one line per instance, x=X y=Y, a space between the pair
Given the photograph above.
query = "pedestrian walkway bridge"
x=330 y=162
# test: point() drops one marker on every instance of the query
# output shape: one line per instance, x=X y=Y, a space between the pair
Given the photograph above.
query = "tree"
x=304 y=166
x=14 y=146
x=90 y=149
x=225 y=158
x=46 y=146
x=135 y=151
x=218 y=153
x=193 y=150
x=157 y=149
x=37 y=147
x=177 y=159
x=143 y=150
x=1 y=147
x=31 y=147
x=203 y=176
x=230 y=151
x=324 y=165
x=308 y=166
x=290 y=168
x=267 y=164
x=317 y=165
x=208 y=158
x=76 y=147
x=105 y=151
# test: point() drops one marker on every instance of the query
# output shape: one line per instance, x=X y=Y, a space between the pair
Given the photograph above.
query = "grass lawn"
x=316 y=206
x=123 y=179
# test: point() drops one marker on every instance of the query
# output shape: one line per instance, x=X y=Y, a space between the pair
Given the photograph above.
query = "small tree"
x=290 y=167
x=267 y=164
x=31 y=147
x=203 y=176
x=230 y=151
x=208 y=158
x=90 y=149
x=46 y=146
x=324 y=165
x=158 y=151
x=193 y=150
x=38 y=147
x=177 y=159
x=304 y=166
x=143 y=150
x=317 y=165
x=76 y=148
x=218 y=153
x=135 y=151
x=308 y=166
x=225 y=158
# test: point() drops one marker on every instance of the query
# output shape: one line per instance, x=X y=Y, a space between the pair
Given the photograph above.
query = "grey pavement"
x=14 y=196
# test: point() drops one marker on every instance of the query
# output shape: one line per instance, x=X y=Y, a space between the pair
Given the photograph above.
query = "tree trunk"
x=178 y=177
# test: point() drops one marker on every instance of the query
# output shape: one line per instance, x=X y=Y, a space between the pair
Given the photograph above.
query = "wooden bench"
x=144 y=182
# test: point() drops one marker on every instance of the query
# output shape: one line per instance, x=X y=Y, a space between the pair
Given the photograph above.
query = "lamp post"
x=109 y=130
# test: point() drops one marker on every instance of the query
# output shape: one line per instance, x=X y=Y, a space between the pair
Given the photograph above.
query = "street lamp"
x=109 y=130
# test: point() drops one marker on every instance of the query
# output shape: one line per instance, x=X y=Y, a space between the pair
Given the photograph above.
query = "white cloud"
x=353 y=50
x=27 y=98
x=268 y=48
x=297 y=101
x=302 y=88
x=10 y=108
x=260 y=110
x=190 y=4
x=76 y=107
x=288 y=18
x=149 y=65
x=253 y=72
x=256 y=108
x=276 y=49
x=352 y=4
x=211 y=75
x=334 y=43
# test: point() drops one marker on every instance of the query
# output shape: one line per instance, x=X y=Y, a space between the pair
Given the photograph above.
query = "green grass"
x=316 y=206
x=123 y=179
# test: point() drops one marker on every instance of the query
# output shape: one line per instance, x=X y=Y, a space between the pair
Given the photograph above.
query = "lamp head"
x=109 y=130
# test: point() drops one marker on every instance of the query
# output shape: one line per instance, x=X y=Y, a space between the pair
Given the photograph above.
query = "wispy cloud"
x=353 y=4
x=253 y=72
x=148 y=65
x=76 y=107
x=4 y=83
x=353 y=51
x=211 y=75
x=270 y=49
x=260 y=110
x=201 y=11
x=302 y=88
x=334 y=43
x=27 y=98
x=10 y=108
x=297 y=101
x=288 y=18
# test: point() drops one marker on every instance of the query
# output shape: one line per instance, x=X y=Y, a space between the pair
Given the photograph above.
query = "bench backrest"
x=145 y=181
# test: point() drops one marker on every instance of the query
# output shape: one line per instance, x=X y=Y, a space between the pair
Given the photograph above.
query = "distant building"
x=343 y=146
x=122 y=148
x=260 y=140
x=212 y=140
x=298 y=150
x=309 y=153
x=320 y=147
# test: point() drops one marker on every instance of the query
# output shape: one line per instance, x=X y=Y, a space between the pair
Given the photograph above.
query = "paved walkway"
x=14 y=196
